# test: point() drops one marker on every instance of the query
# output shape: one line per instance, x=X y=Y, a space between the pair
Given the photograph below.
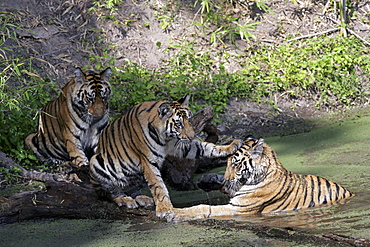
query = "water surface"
x=339 y=152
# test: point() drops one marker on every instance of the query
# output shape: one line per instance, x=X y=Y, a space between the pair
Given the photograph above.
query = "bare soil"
x=60 y=35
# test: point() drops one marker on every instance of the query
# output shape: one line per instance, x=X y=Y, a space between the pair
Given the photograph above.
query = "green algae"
x=338 y=151
x=122 y=233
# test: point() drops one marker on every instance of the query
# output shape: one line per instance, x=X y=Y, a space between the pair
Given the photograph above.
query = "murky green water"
x=118 y=233
x=339 y=152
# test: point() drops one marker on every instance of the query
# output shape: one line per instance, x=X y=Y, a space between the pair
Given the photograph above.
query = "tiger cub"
x=258 y=183
x=132 y=148
x=70 y=126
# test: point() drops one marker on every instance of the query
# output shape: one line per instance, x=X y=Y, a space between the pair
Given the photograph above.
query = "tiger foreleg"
x=201 y=212
x=231 y=148
x=223 y=150
x=157 y=188
x=76 y=153
x=200 y=149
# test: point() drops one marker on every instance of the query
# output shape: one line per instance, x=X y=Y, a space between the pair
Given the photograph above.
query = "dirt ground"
x=62 y=34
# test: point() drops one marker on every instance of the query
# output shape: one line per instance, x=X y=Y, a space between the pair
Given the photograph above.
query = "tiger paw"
x=174 y=217
x=180 y=214
x=67 y=172
x=65 y=168
x=144 y=201
x=236 y=144
x=127 y=201
x=80 y=162
x=163 y=212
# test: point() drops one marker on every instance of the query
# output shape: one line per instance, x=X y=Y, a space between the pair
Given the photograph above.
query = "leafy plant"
x=131 y=85
x=166 y=14
x=10 y=174
x=321 y=67
x=108 y=4
x=22 y=93
x=228 y=24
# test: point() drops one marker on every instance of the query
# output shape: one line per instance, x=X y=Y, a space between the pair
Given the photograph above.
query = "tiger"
x=132 y=149
x=69 y=126
x=257 y=183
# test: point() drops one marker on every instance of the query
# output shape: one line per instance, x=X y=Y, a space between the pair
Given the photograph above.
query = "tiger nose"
x=223 y=190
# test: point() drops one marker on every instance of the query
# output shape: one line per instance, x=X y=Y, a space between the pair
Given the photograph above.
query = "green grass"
x=327 y=70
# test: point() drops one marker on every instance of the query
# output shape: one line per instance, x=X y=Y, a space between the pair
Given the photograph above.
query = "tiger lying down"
x=258 y=183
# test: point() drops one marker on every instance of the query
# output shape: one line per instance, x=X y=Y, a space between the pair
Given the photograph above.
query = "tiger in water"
x=258 y=183
x=70 y=126
x=132 y=148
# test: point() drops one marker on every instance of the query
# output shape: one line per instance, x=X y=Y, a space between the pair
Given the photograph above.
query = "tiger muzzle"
x=97 y=108
x=229 y=188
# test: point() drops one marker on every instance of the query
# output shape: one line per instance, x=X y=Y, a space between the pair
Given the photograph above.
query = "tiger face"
x=92 y=92
x=176 y=117
x=245 y=167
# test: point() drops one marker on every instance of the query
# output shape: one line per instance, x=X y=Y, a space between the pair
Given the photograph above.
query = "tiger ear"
x=257 y=149
x=79 y=76
x=105 y=75
x=184 y=101
x=164 y=110
x=249 y=137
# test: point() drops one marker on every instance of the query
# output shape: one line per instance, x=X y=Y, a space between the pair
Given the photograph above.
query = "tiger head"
x=248 y=166
x=92 y=92
x=175 y=116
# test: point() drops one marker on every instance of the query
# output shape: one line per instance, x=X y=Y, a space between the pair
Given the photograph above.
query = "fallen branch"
x=358 y=36
x=314 y=34
x=64 y=199
x=9 y=163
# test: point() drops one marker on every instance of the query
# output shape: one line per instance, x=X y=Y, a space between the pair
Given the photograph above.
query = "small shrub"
x=321 y=68
x=22 y=94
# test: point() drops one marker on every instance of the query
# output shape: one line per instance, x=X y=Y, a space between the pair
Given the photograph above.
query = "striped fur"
x=258 y=183
x=132 y=148
x=69 y=126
